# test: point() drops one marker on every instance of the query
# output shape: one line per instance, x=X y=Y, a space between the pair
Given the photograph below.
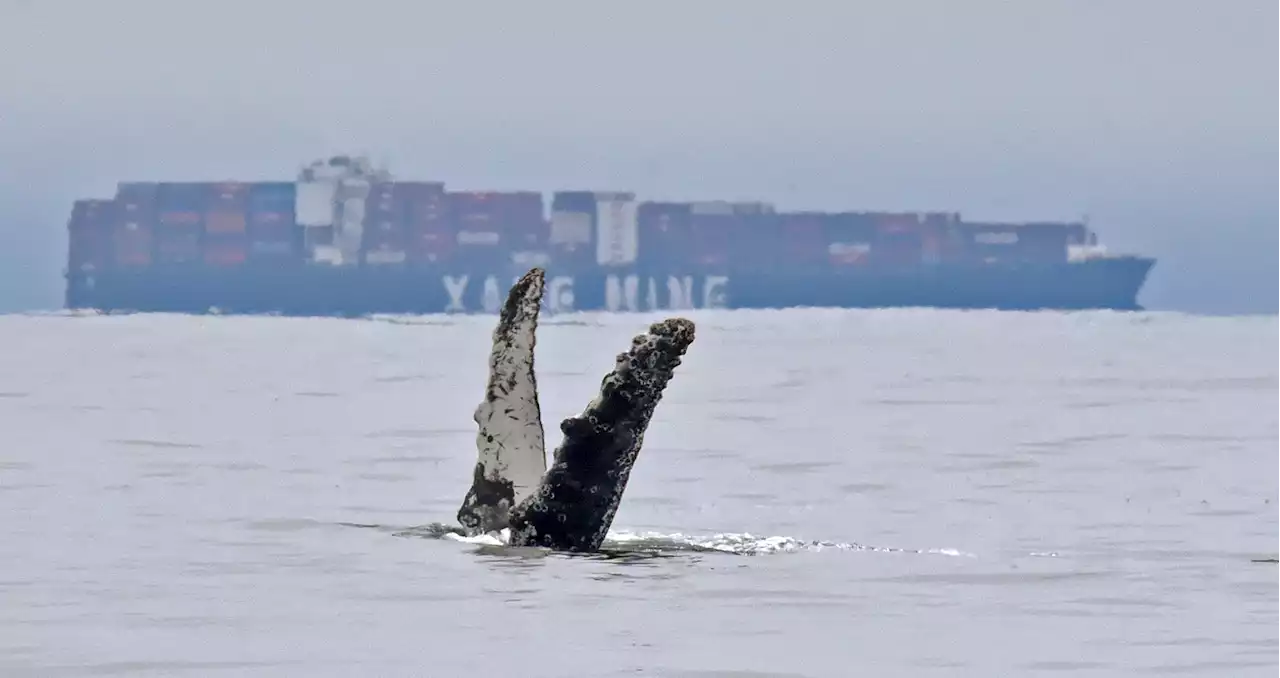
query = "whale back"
x=511 y=454
x=573 y=508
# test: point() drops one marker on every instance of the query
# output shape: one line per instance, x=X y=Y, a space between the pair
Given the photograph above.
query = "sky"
x=1155 y=118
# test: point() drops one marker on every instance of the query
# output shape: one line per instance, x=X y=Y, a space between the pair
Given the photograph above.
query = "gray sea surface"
x=821 y=493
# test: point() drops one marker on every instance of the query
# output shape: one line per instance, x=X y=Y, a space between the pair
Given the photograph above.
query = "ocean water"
x=821 y=493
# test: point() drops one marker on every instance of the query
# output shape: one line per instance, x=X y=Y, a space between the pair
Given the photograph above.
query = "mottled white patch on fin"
x=510 y=441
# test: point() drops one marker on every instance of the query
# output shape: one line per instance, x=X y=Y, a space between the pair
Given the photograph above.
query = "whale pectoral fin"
x=510 y=443
x=573 y=508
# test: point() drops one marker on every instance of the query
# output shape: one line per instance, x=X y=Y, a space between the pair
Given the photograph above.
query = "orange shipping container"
x=224 y=222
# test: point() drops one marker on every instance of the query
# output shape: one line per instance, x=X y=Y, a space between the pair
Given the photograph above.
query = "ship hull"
x=297 y=289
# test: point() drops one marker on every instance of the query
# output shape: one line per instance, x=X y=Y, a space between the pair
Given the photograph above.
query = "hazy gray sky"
x=1157 y=118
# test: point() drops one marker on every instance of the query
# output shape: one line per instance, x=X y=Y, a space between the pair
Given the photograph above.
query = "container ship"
x=345 y=238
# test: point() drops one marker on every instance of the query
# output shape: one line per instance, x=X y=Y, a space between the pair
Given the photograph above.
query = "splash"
x=623 y=541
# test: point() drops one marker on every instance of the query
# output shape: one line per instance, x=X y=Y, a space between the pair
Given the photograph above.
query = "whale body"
x=569 y=506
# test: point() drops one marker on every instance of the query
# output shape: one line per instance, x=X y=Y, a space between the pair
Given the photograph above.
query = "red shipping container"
x=803 y=239
x=384 y=233
x=711 y=238
x=896 y=222
x=516 y=217
x=414 y=207
x=225 y=222
x=427 y=215
x=270 y=219
x=387 y=201
x=898 y=239
x=474 y=213
x=133 y=223
x=225 y=250
x=432 y=247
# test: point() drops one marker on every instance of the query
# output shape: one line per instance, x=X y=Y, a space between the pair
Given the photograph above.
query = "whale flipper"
x=510 y=441
x=573 y=508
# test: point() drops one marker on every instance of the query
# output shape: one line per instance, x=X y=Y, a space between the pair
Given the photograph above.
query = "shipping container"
x=271 y=229
x=430 y=234
x=894 y=222
x=432 y=247
x=270 y=214
x=132 y=241
x=177 y=245
x=664 y=237
x=283 y=250
x=574 y=201
x=571 y=230
x=711 y=238
x=180 y=204
x=711 y=207
x=937 y=238
x=229 y=196
x=757 y=244
x=272 y=197
x=225 y=250
x=420 y=206
x=89 y=234
x=133 y=223
x=750 y=208
x=612 y=250
x=385 y=216
x=137 y=192
x=384 y=232
x=850 y=238
x=225 y=222
x=803 y=242
x=491 y=225
x=183 y=196
x=897 y=240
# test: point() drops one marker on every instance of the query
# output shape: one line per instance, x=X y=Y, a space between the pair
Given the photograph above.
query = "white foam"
x=725 y=542
x=487 y=539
